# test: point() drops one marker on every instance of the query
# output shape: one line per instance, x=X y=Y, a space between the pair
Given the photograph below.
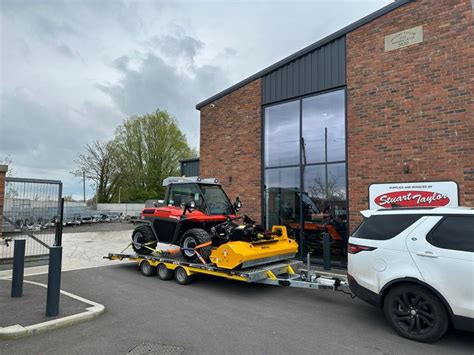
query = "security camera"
x=212 y=105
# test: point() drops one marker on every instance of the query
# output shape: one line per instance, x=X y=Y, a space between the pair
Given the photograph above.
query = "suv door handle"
x=428 y=254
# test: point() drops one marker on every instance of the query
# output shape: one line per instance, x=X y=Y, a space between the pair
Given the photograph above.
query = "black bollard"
x=18 y=267
x=327 y=251
x=54 y=281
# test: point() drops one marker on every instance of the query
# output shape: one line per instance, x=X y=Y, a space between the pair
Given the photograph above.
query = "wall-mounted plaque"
x=404 y=38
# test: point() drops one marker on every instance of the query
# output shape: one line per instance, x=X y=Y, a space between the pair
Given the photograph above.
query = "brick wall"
x=412 y=105
x=3 y=171
x=230 y=145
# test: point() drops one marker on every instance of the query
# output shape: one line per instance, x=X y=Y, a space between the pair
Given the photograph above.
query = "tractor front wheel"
x=193 y=238
x=143 y=240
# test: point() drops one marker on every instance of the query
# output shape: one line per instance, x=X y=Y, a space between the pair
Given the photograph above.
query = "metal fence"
x=31 y=211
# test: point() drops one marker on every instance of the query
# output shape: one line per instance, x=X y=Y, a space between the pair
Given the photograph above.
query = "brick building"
x=389 y=98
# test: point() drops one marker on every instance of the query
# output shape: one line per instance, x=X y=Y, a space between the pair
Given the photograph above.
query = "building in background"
x=388 y=98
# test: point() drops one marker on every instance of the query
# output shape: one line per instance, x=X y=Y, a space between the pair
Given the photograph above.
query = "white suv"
x=418 y=265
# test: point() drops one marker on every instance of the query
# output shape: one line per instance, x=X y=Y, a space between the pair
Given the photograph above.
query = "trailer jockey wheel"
x=181 y=276
x=164 y=273
x=147 y=269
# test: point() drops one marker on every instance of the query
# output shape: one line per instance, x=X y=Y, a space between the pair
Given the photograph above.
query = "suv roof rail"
x=189 y=179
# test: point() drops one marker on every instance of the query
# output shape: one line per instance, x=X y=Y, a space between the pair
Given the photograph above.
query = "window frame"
x=301 y=165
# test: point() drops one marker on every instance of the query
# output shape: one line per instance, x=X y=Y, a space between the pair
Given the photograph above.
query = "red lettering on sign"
x=412 y=199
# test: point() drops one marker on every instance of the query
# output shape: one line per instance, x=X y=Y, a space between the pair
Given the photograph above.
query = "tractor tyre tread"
x=147 y=236
x=201 y=237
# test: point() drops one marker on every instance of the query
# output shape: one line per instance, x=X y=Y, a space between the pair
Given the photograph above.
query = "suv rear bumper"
x=363 y=293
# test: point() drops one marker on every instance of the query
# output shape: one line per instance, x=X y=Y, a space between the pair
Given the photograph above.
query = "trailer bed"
x=288 y=273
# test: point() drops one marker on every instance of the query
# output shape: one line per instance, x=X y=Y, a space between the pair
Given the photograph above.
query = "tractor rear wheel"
x=143 y=240
x=190 y=240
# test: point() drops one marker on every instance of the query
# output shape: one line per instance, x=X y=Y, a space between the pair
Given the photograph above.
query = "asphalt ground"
x=31 y=308
x=218 y=316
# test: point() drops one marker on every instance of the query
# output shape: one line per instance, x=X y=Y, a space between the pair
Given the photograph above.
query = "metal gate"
x=32 y=211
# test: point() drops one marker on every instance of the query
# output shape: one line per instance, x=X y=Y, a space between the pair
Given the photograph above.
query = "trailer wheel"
x=147 y=269
x=191 y=239
x=181 y=276
x=164 y=273
x=143 y=239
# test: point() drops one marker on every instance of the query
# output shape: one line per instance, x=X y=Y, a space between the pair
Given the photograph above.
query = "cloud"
x=66 y=51
x=178 y=47
x=52 y=27
x=38 y=135
x=73 y=70
x=163 y=81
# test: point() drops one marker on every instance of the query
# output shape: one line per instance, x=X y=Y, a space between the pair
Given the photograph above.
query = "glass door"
x=324 y=170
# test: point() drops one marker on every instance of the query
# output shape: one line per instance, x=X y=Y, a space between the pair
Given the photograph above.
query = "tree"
x=329 y=190
x=100 y=165
x=148 y=149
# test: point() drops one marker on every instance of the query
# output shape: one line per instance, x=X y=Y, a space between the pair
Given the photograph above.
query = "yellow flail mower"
x=232 y=246
x=246 y=247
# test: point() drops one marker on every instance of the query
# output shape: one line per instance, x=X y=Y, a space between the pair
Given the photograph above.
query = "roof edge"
x=188 y=160
x=343 y=31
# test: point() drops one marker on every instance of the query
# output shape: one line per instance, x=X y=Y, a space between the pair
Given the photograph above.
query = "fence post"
x=18 y=267
x=58 y=240
x=54 y=281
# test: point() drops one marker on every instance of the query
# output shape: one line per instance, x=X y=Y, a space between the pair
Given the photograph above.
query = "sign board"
x=413 y=194
x=404 y=38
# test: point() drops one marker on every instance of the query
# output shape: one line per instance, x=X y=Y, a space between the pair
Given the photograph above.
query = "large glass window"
x=317 y=124
x=282 y=134
x=281 y=187
x=324 y=129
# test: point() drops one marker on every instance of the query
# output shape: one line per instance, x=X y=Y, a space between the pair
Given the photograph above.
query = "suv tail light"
x=354 y=248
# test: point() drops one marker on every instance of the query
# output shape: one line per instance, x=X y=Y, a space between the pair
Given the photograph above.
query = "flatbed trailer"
x=288 y=273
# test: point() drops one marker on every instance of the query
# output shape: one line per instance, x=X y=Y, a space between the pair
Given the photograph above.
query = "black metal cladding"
x=190 y=167
x=322 y=69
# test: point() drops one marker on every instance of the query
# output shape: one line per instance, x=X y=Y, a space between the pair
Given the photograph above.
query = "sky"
x=73 y=70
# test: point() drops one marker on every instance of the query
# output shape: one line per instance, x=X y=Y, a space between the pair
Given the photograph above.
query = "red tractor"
x=191 y=208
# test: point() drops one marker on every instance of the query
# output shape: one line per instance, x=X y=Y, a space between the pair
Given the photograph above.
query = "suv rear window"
x=455 y=233
x=385 y=227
